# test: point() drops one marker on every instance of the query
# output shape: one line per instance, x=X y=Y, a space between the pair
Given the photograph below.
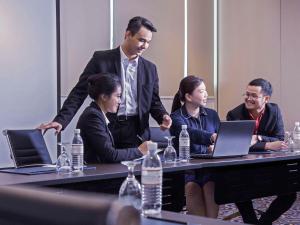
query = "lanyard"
x=257 y=120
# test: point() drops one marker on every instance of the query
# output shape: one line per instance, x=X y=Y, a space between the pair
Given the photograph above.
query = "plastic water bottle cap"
x=77 y=131
x=184 y=126
x=152 y=146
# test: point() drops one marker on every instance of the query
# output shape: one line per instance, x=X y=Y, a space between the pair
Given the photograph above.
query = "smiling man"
x=140 y=96
x=268 y=134
x=269 y=128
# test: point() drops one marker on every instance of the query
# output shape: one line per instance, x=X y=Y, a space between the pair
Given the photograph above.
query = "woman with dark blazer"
x=105 y=90
x=202 y=125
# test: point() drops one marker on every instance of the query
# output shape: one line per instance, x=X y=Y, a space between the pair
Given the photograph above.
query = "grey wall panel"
x=249 y=47
x=200 y=41
x=260 y=37
x=27 y=67
x=290 y=57
x=85 y=28
x=167 y=46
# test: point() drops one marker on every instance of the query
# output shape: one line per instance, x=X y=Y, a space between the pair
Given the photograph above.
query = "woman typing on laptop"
x=202 y=125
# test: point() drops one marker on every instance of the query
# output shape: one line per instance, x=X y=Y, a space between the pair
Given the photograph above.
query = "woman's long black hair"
x=102 y=83
x=187 y=86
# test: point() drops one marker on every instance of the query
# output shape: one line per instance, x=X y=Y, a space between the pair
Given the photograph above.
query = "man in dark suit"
x=140 y=88
x=268 y=134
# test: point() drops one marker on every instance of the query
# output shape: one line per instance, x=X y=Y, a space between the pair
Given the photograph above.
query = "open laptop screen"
x=234 y=138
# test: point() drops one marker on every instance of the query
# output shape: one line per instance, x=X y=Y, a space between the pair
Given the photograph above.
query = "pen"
x=140 y=138
x=164 y=219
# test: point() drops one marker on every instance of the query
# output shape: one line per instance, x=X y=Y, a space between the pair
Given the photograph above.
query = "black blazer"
x=271 y=126
x=147 y=88
x=97 y=140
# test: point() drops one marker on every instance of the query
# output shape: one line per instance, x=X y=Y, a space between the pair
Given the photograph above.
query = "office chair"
x=27 y=147
x=157 y=135
x=35 y=206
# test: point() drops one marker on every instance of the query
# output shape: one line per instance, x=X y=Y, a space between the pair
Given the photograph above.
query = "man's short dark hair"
x=265 y=85
x=137 y=22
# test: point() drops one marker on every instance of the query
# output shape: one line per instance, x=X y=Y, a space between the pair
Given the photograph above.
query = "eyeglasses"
x=251 y=96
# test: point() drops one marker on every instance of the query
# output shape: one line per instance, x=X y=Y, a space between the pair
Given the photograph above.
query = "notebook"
x=35 y=170
x=234 y=139
x=31 y=170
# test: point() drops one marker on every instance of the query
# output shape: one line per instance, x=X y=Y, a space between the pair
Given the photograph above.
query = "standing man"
x=268 y=134
x=130 y=125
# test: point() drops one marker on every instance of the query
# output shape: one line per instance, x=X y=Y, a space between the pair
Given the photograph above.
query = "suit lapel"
x=110 y=135
x=94 y=105
x=140 y=82
x=264 y=122
x=117 y=61
x=245 y=113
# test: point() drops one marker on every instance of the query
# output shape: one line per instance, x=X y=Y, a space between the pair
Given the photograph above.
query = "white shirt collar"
x=125 y=58
x=106 y=120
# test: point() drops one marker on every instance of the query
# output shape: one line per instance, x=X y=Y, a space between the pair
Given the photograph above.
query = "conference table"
x=236 y=178
x=171 y=218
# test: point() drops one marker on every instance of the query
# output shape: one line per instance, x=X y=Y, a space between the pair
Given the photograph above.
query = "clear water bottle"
x=151 y=182
x=77 y=151
x=296 y=135
x=184 y=144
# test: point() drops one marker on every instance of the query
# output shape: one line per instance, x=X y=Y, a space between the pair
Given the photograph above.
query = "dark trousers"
x=280 y=205
x=125 y=132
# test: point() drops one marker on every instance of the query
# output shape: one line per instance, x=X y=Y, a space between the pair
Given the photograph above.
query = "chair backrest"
x=33 y=206
x=27 y=147
x=158 y=136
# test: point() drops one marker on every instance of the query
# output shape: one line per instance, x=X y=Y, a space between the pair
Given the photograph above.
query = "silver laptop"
x=234 y=139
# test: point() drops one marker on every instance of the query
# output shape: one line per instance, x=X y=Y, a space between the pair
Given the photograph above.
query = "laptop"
x=234 y=139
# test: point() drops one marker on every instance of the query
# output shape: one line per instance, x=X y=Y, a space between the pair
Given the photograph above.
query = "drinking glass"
x=63 y=163
x=170 y=153
x=288 y=139
x=130 y=190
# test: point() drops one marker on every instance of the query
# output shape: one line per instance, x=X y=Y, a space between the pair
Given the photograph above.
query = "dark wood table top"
x=110 y=171
x=172 y=218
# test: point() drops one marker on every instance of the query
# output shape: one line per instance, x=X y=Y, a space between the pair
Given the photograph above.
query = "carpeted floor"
x=291 y=217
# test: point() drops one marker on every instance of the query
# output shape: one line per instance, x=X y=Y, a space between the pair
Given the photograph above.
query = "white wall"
x=27 y=68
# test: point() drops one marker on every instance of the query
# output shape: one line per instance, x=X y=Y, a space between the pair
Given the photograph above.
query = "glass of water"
x=288 y=139
x=130 y=190
x=63 y=163
x=170 y=153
